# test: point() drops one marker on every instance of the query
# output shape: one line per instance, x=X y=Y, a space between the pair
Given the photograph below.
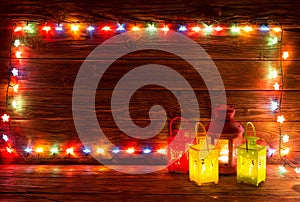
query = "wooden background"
x=51 y=65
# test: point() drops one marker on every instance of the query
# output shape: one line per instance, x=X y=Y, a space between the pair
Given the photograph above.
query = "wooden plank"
x=227 y=46
x=236 y=75
x=100 y=183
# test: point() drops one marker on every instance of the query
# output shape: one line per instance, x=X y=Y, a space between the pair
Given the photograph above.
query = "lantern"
x=203 y=159
x=178 y=148
x=227 y=140
x=251 y=160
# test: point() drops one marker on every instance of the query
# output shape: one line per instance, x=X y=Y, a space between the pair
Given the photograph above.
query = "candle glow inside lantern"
x=251 y=160
x=178 y=146
x=203 y=159
x=227 y=141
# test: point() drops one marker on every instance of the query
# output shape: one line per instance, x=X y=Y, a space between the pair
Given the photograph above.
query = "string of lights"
x=283 y=152
x=205 y=28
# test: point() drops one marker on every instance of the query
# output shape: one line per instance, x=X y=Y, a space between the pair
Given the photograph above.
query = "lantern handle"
x=175 y=118
x=254 y=132
x=198 y=136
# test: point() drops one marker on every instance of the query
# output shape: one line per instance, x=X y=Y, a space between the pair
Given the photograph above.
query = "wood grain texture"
x=50 y=64
x=94 y=183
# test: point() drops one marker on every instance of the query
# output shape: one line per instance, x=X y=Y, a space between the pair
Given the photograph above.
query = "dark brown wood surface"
x=50 y=66
x=98 y=183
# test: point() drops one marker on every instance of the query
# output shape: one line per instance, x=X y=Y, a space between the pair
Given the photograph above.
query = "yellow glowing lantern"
x=251 y=160
x=203 y=159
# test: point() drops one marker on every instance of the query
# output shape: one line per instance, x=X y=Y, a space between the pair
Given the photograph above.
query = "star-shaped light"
x=165 y=29
x=280 y=119
x=285 y=55
x=182 y=28
x=285 y=151
x=297 y=170
x=247 y=28
x=285 y=138
x=18 y=54
x=28 y=150
x=9 y=150
x=276 y=86
x=70 y=151
x=196 y=29
x=46 y=28
x=17 y=42
x=282 y=169
x=15 y=72
x=120 y=27
x=100 y=150
x=5 y=137
x=86 y=150
x=218 y=28
x=5 y=118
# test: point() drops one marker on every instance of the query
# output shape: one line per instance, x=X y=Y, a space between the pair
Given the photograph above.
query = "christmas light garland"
x=200 y=27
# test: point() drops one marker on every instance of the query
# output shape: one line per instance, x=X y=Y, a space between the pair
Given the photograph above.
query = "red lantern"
x=178 y=147
x=227 y=141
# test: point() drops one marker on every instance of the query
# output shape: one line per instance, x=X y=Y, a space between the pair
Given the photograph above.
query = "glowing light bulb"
x=162 y=151
x=86 y=151
x=18 y=28
x=235 y=29
x=165 y=29
x=100 y=150
x=218 y=28
x=16 y=88
x=273 y=74
x=151 y=28
x=247 y=28
x=9 y=150
x=121 y=27
x=75 y=28
x=280 y=119
x=208 y=28
x=28 y=28
x=285 y=138
x=130 y=150
x=276 y=86
x=116 y=150
x=196 y=29
x=147 y=151
x=297 y=170
x=46 y=28
x=70 y=151
x=285 y=151
x=14 y=104
x=182 y=28
x=276 y=29
x=59 y=28
x=272 y=41
x=90 y=28
x=271 y=152
x=106 y=28
x=28 y=150
x=282 y=170
x=5 y=137
x=274 y=105
x=39 y=150
x=17 y=43
x=15 y=72
x=135 y=28
x=264 y=28
x=18 y=54
x=54 y=150
x=5 y=118
x=285 y=55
